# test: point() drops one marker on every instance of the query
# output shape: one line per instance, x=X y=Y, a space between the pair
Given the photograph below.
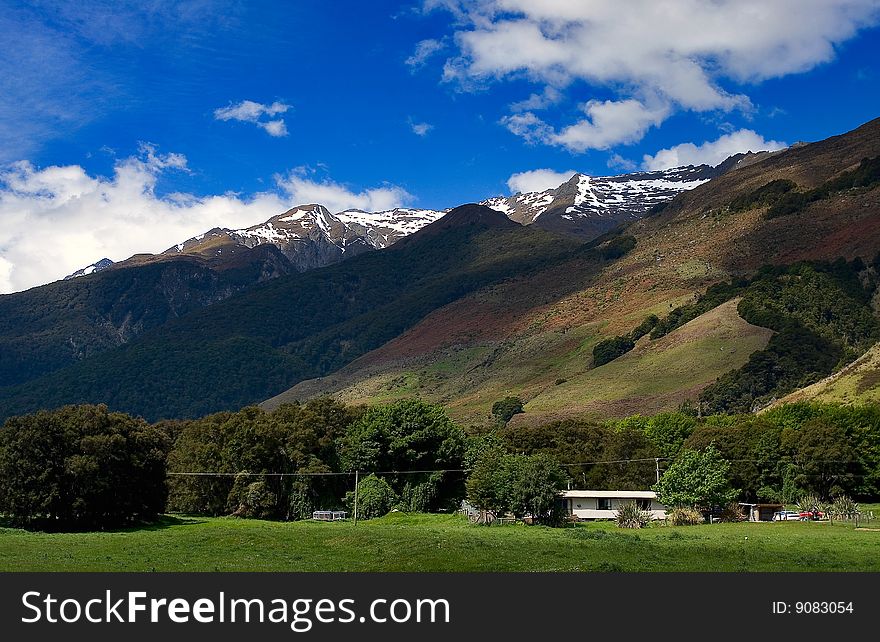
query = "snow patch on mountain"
x=602 y=201
x=103 y=264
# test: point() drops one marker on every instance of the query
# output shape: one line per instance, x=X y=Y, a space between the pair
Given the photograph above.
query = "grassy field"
x=400 y=542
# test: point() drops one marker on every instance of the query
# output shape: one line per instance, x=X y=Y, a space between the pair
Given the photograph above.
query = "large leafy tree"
x=698 y=479
x=406 y=436
x=525 y=485
x=669 y=430
x=81 y=466
x=282 y=450
x=585 y=442
x=824 y=461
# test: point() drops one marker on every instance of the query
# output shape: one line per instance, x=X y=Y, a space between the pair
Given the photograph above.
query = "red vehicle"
x=814 y=515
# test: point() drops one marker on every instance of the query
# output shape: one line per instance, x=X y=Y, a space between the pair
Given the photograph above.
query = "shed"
x=760 y=512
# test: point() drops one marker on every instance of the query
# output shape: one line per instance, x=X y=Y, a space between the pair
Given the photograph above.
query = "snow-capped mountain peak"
x=103 y=264
x=587 y=206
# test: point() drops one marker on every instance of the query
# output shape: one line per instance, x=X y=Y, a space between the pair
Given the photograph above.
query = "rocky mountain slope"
x=47 y=328
x=115 y=302
x=310 y=236
x=97 y=266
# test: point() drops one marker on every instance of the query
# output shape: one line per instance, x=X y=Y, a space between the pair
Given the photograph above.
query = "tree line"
x=89 y=467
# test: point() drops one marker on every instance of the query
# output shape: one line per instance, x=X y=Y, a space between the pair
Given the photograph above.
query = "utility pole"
x=656 y=464
x=356 y=480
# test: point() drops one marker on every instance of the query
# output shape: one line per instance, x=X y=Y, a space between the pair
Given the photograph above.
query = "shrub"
x=684 y=516
x=629 y=515
x=732 y=512
x=609 y=349
x=520 y=484
x=767 y=194
x=696 y=478
x=617 y=247
x=408 y=435
x=644 y=327
x=375 y=498
x=251 y=499
x=505 y=409
x=810 y=503
x=844 y=507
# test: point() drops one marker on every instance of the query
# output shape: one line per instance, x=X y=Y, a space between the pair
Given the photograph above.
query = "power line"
x=467 y=470
x=321 y=474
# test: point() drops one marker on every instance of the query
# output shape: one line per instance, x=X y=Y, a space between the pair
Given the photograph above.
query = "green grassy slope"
x=857 y=383
x=402 y=542
x=661 y=373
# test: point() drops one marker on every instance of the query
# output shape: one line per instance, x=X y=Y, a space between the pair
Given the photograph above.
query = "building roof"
x=611 y=494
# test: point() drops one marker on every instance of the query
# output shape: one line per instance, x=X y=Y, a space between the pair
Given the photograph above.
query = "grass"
x=411 y=542
x=659 y=371
x=857 y=383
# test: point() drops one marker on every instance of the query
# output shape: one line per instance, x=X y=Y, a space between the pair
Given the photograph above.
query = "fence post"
x=356 y=480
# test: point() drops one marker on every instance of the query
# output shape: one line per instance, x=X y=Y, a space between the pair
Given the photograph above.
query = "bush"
x=629 y=515
x=505 y=409
x=767 y=194
x=250 y=498
x=811 y=504
x=409 y=435
x=696 y=479
x=375 y=498
x=617 y=247
x=732 y=513
x=844 y=507
x=609 y=349
x=684 y=516
x=644 y=327
x=520 y=484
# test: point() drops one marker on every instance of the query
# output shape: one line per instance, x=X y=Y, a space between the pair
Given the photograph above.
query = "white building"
x=603 y=504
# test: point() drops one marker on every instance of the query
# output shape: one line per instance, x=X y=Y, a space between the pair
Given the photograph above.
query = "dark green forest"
x=53 y=326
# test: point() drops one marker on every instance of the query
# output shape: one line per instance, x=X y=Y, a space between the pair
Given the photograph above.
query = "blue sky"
x=141 y=105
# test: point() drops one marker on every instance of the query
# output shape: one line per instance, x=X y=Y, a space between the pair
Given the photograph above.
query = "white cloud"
x=616 y=161
x=337 y=197
x=57 y=219
x=529 y=127
x=420 y=129
x=550 y=96
x=275 y=127
x=689 y=54
x=538 y=180
x=607 y=124
x=424 y=50
x=710 y=152
x=248 y=111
